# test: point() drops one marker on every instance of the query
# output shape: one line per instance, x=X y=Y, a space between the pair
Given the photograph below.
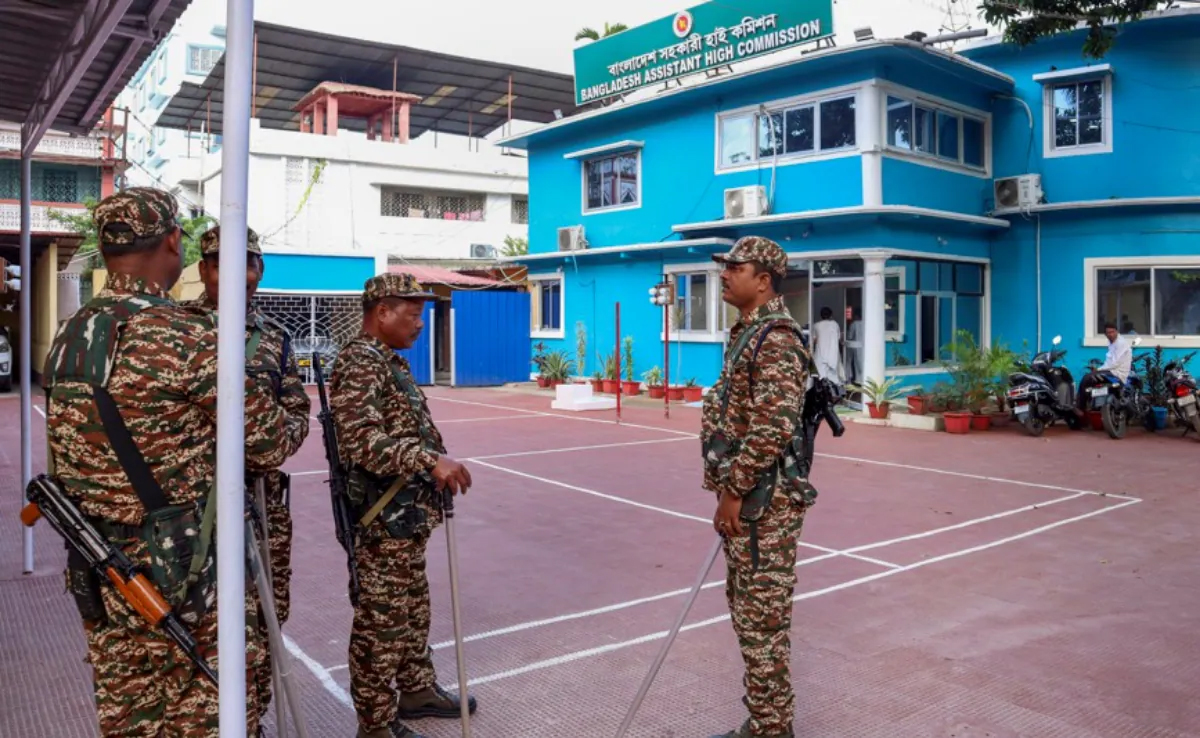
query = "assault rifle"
x=819 y=403
x=343 y=522
x=46 y=499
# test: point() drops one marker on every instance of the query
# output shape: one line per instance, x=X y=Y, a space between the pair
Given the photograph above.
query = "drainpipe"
x=26 y=326
x=1038 y=257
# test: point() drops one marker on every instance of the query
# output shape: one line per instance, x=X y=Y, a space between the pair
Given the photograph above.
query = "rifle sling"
x=382 y=503
x=144 y=484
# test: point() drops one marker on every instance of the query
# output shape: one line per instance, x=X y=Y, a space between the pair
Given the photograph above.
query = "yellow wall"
x=45 y=306
x=187 y=288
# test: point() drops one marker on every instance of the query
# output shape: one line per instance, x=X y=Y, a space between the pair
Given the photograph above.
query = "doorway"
x=936 y=327
x=843 y=297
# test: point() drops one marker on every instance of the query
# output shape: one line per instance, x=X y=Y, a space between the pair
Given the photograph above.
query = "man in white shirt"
x=827 y=346
x=1118 y=362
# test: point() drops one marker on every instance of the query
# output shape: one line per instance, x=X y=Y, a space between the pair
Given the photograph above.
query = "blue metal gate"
x=420 y=356
x=490 y=338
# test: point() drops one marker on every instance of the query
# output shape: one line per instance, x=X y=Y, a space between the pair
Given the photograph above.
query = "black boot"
x=434 y=702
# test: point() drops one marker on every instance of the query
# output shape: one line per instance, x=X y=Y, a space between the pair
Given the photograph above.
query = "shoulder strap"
x=771 y=320
x=144 y=484
x=762 y=336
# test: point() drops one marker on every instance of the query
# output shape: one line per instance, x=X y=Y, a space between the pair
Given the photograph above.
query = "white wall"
x=343 y=210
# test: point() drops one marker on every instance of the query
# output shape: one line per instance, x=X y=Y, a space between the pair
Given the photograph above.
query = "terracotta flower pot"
x=630 y=388
x=675 y=394
x=657 y=392
x=918 y=405
x=693 y=394
x=609 y=386
x=957 y=422
x=878 y=412
x=543 y=382
x=1097 y=420
x=981 y=422
x=597 y=385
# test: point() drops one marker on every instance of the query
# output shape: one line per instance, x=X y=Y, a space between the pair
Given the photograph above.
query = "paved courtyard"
x=982 y=585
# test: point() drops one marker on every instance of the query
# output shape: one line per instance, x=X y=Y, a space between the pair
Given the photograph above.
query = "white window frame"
x=1090 y=268
x=535 y=281
x=896 y=336
x=714 y=316
x=936 y=104
x=773 y=106
x=614 y=154
x=1075 y=77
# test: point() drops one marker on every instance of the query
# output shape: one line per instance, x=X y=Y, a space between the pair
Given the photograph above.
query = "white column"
x=874 y=315
x=231 y=371
x=870 y=141
x=26 y=326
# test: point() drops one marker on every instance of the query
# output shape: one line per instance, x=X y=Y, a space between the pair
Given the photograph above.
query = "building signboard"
x=705 y=36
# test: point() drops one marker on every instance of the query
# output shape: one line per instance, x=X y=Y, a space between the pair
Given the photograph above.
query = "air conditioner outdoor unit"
x=571 y=238
x=1022 y=191
x=745 y=202
x=483 y=251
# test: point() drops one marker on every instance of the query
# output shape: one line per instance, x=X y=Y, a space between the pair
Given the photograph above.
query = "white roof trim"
x=1123 y=202
x=605 y=148
x=620 y=249
x=821 y=54
x=1074 y=73
x=1150 y=15
x=836 y=212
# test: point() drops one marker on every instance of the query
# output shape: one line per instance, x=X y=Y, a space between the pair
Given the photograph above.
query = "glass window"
x=1078 y=114
x=770 y=135
x=612 y=181
x=899 y=123
x=947 y=136
x=973 y=147
x=737 y=140
x=691 y=302
x=799 y=130
x=1177 y=300
x=547 y=305
x=837 y=123
x=1123 y=298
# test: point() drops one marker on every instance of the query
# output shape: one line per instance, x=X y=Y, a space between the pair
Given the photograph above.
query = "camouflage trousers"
x=145 y=687
x=279 y=525
x=760 y=606
x=389 y=642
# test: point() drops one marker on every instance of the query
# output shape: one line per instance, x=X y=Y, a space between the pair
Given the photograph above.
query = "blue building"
x=1018 y=194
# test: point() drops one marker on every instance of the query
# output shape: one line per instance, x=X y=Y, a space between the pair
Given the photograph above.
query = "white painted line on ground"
x=40 y=411
x=565 y=416
x=594 y=493
x=910 y=467
x=577 y=448
x=308 y=473
x=835 y=552
x=980 y=477
x=494 y=417
x=567 y=658
x=322 y=675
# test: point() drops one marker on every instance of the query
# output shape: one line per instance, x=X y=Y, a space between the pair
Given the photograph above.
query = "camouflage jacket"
x=162 y=375
x=269 y=360
x=760 y=426
x=379 y=427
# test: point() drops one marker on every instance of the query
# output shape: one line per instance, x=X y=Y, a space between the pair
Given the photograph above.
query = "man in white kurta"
x=827 y=346
x=854 y=342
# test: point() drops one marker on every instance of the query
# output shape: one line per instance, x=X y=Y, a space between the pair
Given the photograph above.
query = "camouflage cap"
x=137 y=212
x=210 y=242
x=756 y=248
x=395 y=284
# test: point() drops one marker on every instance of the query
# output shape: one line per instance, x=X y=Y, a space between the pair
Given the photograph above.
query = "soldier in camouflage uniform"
x=269 y=354
x=149 y=365
x=396 y=466
x=749 y=428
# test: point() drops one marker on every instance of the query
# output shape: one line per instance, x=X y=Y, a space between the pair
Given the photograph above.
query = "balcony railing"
x=10 y=217
x=81 y=148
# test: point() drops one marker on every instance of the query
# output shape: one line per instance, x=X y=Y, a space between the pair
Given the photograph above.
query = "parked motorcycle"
x=1119 y=402
x=1182 y=396
x=1045 y=394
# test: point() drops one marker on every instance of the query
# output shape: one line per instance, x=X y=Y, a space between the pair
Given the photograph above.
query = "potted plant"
x=675 y=393
x=539 y=363
x=581 y=349
x=973 y=371
x=1155 y=384
x=558 y=368
x=653 y=379
x=597 y=381
x=879 y=395
x=611 y=381
x=630 y=385
x=918 y=402
x=691 y=391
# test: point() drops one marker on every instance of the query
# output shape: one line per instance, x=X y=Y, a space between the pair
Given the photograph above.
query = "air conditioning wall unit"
x=483 y=251
x=571 y=238
x=1022 y=191
x=745 y=202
